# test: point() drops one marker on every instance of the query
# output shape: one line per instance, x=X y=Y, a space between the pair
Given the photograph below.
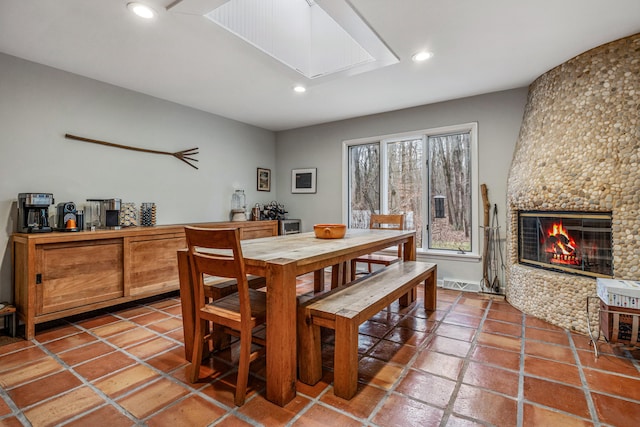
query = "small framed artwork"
x=264 y=179
x=303 y=180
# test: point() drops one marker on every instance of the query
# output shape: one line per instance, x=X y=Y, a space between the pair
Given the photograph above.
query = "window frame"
x=424 y=134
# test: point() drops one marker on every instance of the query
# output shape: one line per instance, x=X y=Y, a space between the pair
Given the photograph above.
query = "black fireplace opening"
x=570 y=242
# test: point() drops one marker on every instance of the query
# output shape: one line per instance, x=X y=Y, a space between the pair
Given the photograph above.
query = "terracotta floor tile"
x=69 y=342
x=468 y=310
x=417 y=324
x=491 y=378
x=87 y=352
x=165 y=303
x=551 y=336
x=63 y=407
x=57 y=332
x=177 y=335
x=549 y=351
x=149 y=318
x=390 y=351
x=151 y=347
x=314 y=391
x=194 y=411
x=534 y=322
x=135 y=311
x=21 y=357
x=233 y=421
x=318 y=415
x=534 y=415
x=175 y=310
x=386 y=317
x=166 y=325
x=113 y=328
x=474 y=301
x=500 y=341
x=145 y=401
x=565 y=398
x=496 y=356
x=131 y=337
x=374 y=329
x=455 y=421
x=401 y=411
x=107 y=415
x=608 y=362
x=361 y=405
x=438 y=363
x=502 y=328
x=43 y=388
x=99 y=320
x=427 y=388
x=486 y=406
x=462 y=333
x=616 y=412
x=449 y=346
x=4 y=408
x=169 y=360
x=224 y=389
x=104 y=365
x=18 y=345
x=379 y=373
x=617 y=385
x=407 y=336
x=123 y=381
x=271 y=415
x=29 y=372
x=561 y=372
x=505 y=316
x=503 y=306
x=462 y=320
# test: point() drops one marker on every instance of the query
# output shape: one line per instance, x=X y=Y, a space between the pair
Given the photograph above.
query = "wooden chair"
x=239 y=313
x=392 y=222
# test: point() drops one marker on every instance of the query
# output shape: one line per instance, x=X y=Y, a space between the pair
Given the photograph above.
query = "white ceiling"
x=479 y=47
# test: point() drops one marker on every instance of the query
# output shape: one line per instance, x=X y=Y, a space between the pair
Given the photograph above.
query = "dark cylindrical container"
x=80 y=220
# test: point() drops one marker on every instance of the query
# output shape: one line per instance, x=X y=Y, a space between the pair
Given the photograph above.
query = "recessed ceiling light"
x=142 y=10
x=422 y=56
x=299 y=89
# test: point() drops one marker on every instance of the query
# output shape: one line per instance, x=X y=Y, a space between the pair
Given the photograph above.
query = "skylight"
x=316 y=38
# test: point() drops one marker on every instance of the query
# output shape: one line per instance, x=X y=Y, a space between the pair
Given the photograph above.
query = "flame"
x=561 y=245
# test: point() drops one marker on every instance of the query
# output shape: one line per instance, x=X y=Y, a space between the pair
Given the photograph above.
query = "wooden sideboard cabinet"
x=60 y=274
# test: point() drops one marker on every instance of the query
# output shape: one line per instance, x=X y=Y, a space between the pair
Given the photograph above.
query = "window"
x=430 y=176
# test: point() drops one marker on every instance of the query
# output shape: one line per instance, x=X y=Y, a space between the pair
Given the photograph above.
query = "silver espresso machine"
x=33 y=212
x=103 y=213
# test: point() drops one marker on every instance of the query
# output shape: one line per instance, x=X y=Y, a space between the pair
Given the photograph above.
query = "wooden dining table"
x=280 y=260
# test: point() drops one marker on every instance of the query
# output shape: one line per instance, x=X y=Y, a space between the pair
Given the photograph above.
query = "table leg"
x=409 y=254
x=281 y=331
x=187 y=301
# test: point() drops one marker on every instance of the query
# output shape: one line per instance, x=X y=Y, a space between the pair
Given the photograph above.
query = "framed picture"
x=264 y=179
x=303 y=180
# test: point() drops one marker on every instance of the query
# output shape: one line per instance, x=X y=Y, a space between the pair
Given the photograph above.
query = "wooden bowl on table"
x=330 y=231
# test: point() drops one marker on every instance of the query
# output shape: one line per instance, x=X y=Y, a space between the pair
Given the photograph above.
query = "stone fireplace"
x=578 y=152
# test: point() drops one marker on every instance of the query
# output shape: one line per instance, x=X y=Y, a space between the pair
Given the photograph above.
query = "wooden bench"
x=345 y=309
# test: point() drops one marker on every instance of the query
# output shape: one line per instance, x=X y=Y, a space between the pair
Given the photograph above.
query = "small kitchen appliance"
x=33 y=212
x=105 y=213
x=238 y=206
x=67 y=217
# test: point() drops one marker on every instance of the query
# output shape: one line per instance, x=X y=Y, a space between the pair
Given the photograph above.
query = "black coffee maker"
x=33 y=212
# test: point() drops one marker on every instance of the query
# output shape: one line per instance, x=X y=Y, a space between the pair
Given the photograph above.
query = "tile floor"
x=475 y=361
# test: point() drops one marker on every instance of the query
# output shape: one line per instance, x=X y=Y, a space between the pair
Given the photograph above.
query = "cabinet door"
x=77 y=274
x=152 y=263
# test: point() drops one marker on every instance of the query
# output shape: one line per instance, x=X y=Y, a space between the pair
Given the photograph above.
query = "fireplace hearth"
x=569 y=242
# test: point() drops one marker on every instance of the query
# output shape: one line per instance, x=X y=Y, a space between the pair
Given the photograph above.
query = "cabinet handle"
x=38 y=279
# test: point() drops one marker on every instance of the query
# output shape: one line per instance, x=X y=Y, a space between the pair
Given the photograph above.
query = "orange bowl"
x=330 y=231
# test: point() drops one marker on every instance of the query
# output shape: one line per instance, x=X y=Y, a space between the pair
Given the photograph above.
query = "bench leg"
x=309 y=350
x=345 y=366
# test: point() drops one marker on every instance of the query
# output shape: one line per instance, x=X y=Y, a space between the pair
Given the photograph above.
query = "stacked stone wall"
x=578 y=150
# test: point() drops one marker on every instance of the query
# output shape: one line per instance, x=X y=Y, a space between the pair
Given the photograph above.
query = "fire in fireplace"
x=572 y=242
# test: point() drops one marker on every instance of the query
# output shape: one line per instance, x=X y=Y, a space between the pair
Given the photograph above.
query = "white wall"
x=39 y=104
x=499 y=116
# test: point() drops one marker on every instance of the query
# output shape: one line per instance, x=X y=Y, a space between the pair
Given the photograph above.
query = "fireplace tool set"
x=492 y=257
